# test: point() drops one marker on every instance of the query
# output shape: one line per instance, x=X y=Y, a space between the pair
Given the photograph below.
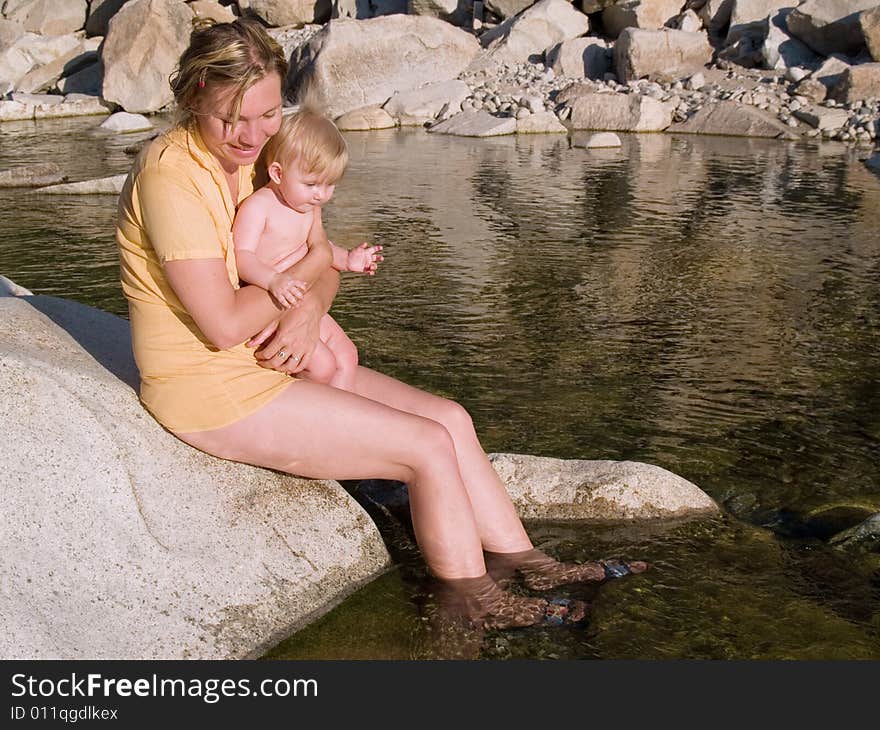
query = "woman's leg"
x=498 y=524
x=321 y=432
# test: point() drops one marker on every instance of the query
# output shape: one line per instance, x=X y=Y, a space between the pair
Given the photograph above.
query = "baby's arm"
x=247 y=229
x=364 y=259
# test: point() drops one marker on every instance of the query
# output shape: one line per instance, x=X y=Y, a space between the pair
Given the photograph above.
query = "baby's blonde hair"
x=310 y=140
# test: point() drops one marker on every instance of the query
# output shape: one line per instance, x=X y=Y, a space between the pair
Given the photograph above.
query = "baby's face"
x=303 y=191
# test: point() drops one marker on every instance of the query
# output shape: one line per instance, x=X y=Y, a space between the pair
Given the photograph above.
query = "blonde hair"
x=310 y=140
x=235 y=55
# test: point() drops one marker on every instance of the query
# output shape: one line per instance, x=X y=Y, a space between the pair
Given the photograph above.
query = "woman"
x=191 y=320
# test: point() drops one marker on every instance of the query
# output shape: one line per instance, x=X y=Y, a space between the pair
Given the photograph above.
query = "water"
x=709 y=305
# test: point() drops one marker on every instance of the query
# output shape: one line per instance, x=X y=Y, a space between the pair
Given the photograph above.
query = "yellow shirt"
x=176 y=205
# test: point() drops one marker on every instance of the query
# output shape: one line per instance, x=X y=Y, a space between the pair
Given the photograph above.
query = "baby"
x=280 y=224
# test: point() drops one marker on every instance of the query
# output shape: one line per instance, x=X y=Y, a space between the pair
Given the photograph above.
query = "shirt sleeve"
x=176 y=217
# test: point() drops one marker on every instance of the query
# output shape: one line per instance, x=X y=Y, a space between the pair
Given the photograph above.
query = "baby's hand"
x=288 y=292
x=365 y=258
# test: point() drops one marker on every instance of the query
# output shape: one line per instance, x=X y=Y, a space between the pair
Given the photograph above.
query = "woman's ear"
x=274 y=171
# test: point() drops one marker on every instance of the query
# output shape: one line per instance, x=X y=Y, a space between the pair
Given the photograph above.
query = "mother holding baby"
x=193 y=332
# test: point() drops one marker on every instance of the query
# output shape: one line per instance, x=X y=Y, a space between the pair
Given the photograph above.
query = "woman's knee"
x=455 y=418
x=431 y=444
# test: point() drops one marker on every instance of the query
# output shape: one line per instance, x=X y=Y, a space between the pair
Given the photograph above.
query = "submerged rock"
x=554 y=489
x=863 y=535
x=32 y=176
x=121 y=542
x=100 y=186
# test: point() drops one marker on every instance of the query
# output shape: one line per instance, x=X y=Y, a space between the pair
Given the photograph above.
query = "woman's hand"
x=287 y=345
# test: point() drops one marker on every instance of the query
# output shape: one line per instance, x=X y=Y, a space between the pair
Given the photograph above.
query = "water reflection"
x=710 y=305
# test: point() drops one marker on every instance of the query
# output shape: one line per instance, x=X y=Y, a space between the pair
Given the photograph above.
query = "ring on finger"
x=282 y=354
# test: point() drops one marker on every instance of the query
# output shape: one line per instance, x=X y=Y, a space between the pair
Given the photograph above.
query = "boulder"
x=121 y=542
x=32 y=176
x=733 y=119
x=356 y=63
x=291 y=37
x=543 y=488
x=779 y=49
x=831 y=71
x=823 y=117
x=362 y=120
x=830 y=26
x=812 y=89
x=10 y=31
x=858 y=82
x=49 y=17
x=505 y=9
x=618 y=112
x=688 y=21
x=580 y=58
x=639 y=53
x=715 y=15
x=864 y=535
x=143 y=44
x=45 y=77
x=646 y=14
x=869 y=21
x=452 y=11
x=475 y=124
x=100 y=12
x=100 y=186
x=30 y=51
x=752 y=17
x=212 y=10
x=537 y=29
x=9 y=288
x=126 y=122
x=419 y=106
x=289 y=12
x=88 y=80
x=540 y=123
x=600 y=140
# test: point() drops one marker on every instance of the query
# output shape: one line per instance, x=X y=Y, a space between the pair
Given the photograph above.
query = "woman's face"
x=260 y=118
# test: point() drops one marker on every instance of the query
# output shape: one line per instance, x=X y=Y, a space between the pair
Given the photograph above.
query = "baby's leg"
x=344 y=352
x=322 y=365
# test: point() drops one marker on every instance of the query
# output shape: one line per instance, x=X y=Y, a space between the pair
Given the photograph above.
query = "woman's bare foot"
x=540 y=572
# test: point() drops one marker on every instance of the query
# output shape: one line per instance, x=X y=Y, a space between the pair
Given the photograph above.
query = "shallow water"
x=709 y=305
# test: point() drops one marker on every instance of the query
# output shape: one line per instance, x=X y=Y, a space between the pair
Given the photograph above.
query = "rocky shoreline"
x=788 y=69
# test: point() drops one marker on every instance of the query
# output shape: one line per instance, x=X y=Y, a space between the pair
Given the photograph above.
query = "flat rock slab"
x=121 y=542
x=100 y=186
x=543 y=488
x=733 y=119
x=32 y=176
x=476 y=124
x=540 y=123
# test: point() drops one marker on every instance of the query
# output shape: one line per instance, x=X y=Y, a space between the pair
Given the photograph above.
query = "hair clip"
x=202 y=79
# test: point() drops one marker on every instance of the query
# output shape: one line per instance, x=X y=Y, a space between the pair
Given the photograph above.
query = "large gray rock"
x=588 y=58
x=751 y=17
x=32 y=176
x=863 y=535
x=415 y=108
x=646 y=14
x=88 y=80
x=141 y=50
x=779 y=49
x=212 y=10
x=356 y=63
x=48 y=17
x=290 y=12
x=8 y=288
x=362 y=120
x=554 y=489
x=457 y=12
x=124 y=122
x=30 y=51
x=121 y=542
x=733 y=119
x=505 y=9
x=869 y=21
x=858 y=82
x=10 y=31
x=45 y=77
x=618 y=113
x=715 y=15
x=540 y=123
x=830 y=26
x=100 y=12
x=476 y=124
x=111 y=185
x=639 y=53
x=542 y=26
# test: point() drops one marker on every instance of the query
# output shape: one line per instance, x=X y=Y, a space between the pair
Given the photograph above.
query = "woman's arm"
x=297 y=332
x=225 y=315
